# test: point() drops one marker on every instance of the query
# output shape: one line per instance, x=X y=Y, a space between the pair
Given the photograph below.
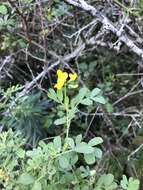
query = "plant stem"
x=67 y=112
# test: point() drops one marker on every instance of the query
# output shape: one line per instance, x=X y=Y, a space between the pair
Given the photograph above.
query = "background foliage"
x=87 y=135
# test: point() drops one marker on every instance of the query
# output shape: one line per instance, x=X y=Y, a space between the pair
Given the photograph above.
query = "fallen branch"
x=107 y=24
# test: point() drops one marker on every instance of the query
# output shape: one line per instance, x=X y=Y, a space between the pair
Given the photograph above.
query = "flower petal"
x=62 y=77
x=73 y=76
x=65 y=76
x=59 y=72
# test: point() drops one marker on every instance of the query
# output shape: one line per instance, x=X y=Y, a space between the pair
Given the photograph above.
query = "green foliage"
x=53 y=165
x=107 y=182
x=3 y=9
x=131 y=184
x=10 y=42
x=140 y=10
x=40 y=148
x=11 y=156
x=58 y=8
x=24 y=114
x=61 y=163
x=44 y=166
x=69 y=107
x=6 y=22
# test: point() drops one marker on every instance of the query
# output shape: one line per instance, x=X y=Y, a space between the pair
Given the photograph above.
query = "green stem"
x=67 y=112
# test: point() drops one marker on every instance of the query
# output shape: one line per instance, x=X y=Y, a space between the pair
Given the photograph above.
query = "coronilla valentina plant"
x=69 y=105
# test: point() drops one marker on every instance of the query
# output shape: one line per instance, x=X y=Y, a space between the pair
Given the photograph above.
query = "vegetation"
x=71 y=95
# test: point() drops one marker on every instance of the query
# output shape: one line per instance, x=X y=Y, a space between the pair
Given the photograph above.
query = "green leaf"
x=57 y=143
x=60 y=94
x=95 y=141
x=21 y=153
x=71 y=113
x=84 y=148
x=22 y=44
x=113 y=186
x=108 y=180
x=87 y=102
x=109 y=108
x=99 y=99
x=124 y=182
x=133 y=184
x=64 y=179
x=60 y=121
x=98 y=152
x=89 y=158
x=78 y=139
x=26 y=179
x=70 y=142
x=74 y=159
x=77 y=100
x=37 y=186
x=63 y=162
x=99 y=188
x=52 y=95
x=3 y=10
x=95 y=92
x=82 y=92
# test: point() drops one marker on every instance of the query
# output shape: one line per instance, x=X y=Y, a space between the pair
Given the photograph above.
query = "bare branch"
x=107 y=24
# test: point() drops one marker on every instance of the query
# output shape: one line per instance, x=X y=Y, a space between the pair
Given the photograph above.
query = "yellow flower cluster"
x=62 y=77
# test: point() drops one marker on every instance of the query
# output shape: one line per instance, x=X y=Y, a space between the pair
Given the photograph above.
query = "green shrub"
x=25 y=114
x=54 y=165
x=65 y=162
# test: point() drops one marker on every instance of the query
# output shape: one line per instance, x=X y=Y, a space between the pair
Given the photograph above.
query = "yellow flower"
x=62 y=77
x=72 y=76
